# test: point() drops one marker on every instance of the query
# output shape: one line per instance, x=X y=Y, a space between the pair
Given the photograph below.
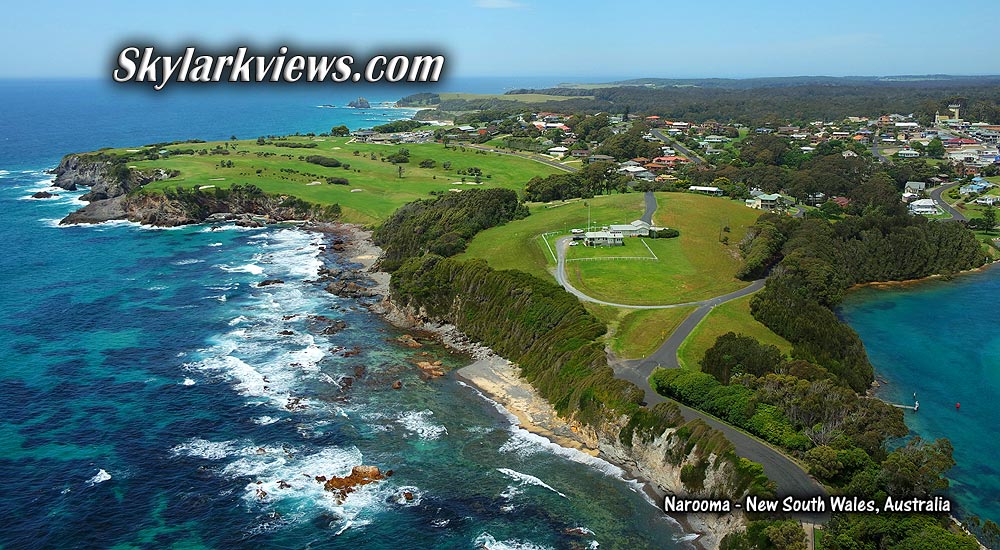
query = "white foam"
x=202 y=448
x=528 y=479
x=418 y=423
x=215 y=244
x=486 y=540
x=187 y=382
x=187 y=261
x=100 y=477
x=247 y=268
x=265 y=420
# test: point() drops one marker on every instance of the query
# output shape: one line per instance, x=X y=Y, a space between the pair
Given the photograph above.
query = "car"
x=574 y=243
x=576 y=231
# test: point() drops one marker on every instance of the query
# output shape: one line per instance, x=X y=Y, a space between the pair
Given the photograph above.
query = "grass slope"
x=639 y=333
x=693 y=267
x=733 y=316
x=519 y=245
x=382 y=190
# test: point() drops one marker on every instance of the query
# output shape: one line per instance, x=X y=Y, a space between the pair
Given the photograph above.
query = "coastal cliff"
x=116 y=194
x=554 y=343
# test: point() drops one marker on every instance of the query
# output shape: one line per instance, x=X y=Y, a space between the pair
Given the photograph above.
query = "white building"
x=924 y=207
x=603 y=238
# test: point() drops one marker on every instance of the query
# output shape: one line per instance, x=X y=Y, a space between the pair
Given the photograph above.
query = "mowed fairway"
x=733 y=316
x=518 y=245
x=694 y=266
x=280 y=170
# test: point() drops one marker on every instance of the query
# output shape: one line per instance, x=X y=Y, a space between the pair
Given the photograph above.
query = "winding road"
x=956 y=216
x=790 y=479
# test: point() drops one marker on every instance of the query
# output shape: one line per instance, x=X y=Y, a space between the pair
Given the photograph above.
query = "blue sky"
x=603 y=40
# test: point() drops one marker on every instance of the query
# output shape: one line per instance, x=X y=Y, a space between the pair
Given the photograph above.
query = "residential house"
x=559 y=152
x=988 y=200
x=908 y=154
x=915 y=186
x=765 y=201
x=923 y=207
x=715 y=191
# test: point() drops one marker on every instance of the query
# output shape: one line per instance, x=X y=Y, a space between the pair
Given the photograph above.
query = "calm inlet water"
x=150 y=399
x=939 y=339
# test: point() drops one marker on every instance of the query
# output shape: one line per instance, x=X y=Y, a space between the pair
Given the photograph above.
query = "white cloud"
x=498 y=4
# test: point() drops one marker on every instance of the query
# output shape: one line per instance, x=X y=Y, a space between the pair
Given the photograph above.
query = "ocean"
x=154 y=396
x=938 y=339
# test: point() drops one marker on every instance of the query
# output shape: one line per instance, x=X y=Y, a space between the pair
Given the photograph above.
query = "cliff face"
x=115 y=194
x=689 y=459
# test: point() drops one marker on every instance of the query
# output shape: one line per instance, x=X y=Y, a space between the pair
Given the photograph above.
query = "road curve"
x=956 y=216
x=789 y=478
x=563 y=242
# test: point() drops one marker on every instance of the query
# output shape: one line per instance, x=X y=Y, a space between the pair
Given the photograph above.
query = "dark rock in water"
x=360 y=475
x=346 y=382
x=286 y=333
x=97 y=212
x=359 y=371
x=43 y=195
x=407 y=495
x=335 y=327
x=282 y=484
x=352 y=352
x=349 y=289
x=398 y=384
x=359 y=103
x=268 y=282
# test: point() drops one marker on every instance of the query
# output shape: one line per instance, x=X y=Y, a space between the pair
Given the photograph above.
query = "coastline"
x=498 y=381
x=929 y=278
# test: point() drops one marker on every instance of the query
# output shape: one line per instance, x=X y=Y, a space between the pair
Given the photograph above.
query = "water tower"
x=954 y=110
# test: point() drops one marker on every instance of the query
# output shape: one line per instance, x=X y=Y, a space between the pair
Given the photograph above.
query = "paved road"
x=956 y=216
x=677 y=145
x=789 y=478
x=650 y=199
x=879 y=155
x=551 y=163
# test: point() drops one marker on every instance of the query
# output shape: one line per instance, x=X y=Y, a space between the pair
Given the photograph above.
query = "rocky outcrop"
x=44 y=195
x=359 y=103
x=106 y=178
x=244 y=205
x=360 y=475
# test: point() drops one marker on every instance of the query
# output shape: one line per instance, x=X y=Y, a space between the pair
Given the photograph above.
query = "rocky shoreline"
x=498 y=379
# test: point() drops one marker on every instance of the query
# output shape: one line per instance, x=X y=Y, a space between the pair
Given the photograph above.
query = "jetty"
x=914 y=407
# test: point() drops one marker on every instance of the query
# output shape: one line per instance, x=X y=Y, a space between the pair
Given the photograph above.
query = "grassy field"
x=279 y=170
x=634 y=248
x=640 y=332
x=523 y=98
x=692 y=267
x=518 y=245
x=733 y=316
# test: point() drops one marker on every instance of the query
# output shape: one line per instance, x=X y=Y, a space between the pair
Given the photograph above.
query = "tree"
x=935 y=149
x=400 y=171
x=340 y=131
x=917 y=469
x=989 y=218
x=734 y=354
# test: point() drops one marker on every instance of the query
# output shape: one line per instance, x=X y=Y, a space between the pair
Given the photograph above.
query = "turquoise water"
x=151 y=399
x=940 y=340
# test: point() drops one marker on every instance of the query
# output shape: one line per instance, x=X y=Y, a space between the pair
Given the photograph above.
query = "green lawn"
x=518 y=245
x=639 y=333
x=279 y=170
x=634 y=248
x=692 y=267
x=731 y=316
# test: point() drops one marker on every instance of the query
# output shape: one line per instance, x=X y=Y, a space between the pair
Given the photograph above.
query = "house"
x=579 y=153
x=765 y=202
x=842 y=202
x=603 y=238
x=558 y=151
x=988 y=200
x=908 y=154
x=815 y=199
x=975 y=187
x=600 y=158
x=915 y=186
x=715 y=191
x=923 y=207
